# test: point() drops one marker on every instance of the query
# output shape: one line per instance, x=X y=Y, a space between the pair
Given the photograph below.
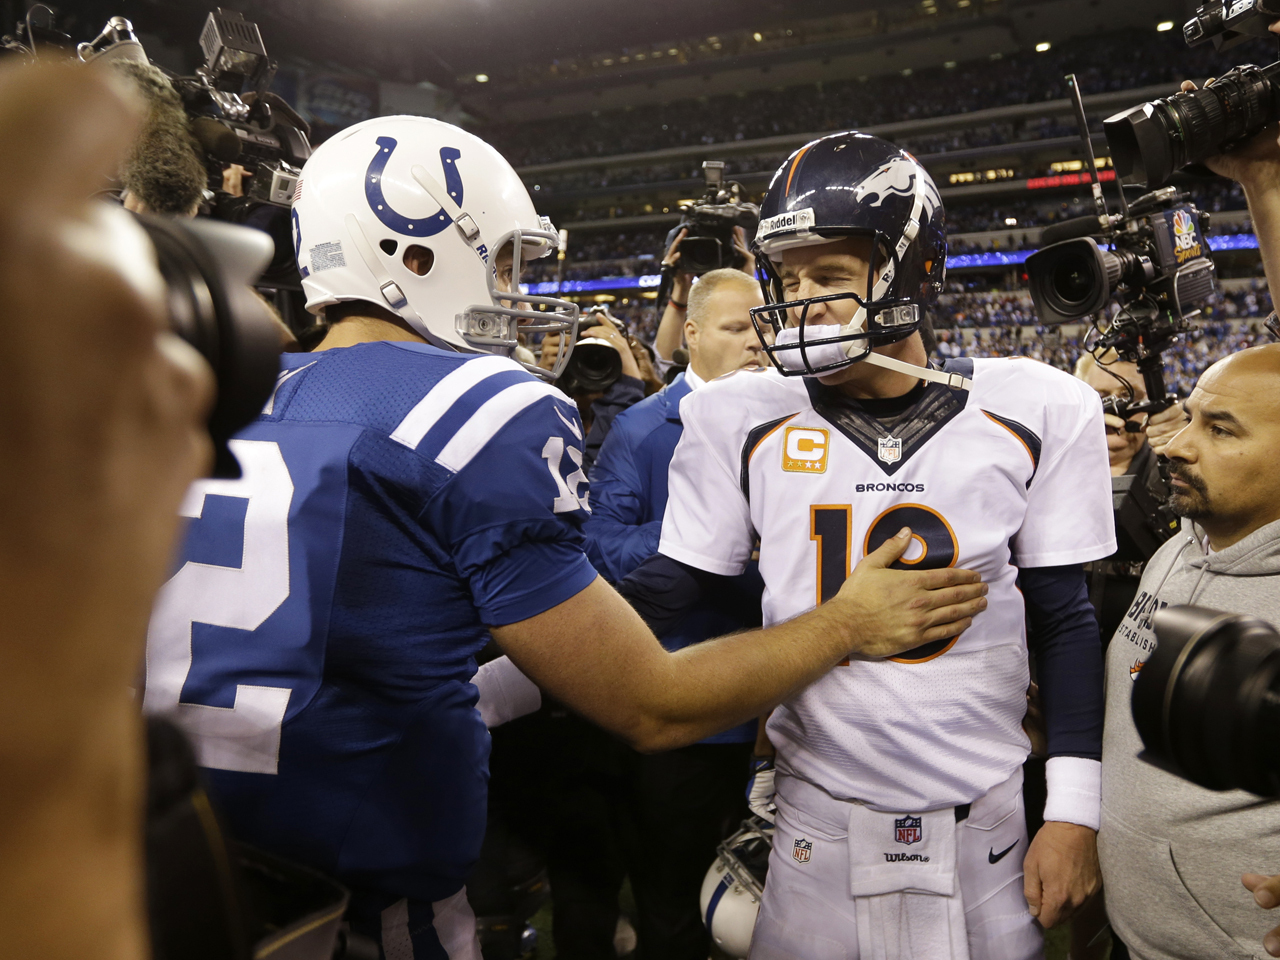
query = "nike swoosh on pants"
x=993 y=857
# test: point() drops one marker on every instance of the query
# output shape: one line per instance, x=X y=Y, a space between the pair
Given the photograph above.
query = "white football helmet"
x=377 y=188
x=731 y=891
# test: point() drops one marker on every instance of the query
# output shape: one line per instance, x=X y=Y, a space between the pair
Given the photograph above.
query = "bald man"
x=1173 y=854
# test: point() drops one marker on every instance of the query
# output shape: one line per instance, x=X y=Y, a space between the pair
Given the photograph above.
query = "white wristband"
x=1074 y=791
x=505 y=692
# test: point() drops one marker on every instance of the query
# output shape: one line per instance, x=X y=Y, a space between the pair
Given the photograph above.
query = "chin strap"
x=952 y=380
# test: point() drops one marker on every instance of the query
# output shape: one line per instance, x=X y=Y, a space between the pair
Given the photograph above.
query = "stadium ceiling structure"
x=451 y=42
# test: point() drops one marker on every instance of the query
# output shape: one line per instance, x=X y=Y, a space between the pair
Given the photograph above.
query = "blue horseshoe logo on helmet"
x=427 y=226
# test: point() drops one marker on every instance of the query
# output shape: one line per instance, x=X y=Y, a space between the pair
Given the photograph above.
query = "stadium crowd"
x=986 y=323
x=1004 y=324
x=1116 y=62
x=593 y=254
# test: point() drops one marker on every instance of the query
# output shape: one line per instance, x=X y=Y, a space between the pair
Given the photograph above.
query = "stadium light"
x=482 y=78
x=1164 y=26
x=1042 y=47
x=757 y=37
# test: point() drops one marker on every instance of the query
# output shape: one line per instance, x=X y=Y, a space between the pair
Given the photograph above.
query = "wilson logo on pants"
x=802 y=851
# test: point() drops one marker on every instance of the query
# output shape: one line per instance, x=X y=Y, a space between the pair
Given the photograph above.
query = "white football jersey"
x=1012 y=473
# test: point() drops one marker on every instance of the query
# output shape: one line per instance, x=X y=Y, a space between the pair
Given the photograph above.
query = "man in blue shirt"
x=681 y=801
x=408 y=491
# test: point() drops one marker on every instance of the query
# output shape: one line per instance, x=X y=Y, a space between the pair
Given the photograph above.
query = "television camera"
x=236 y=119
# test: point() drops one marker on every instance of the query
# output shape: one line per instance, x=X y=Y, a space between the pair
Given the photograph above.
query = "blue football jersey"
x=318 y=638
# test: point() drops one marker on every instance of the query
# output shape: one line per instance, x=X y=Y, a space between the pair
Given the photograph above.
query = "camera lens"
x=1071 y=279
x=1205 y=703
x=1151 y=141
x=594 y=367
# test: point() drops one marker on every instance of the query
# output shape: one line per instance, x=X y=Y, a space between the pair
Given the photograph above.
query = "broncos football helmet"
x=732 y=889
x=380 y=188
x=850 y=185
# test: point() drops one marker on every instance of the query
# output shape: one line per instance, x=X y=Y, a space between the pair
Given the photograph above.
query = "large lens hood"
x=1203 y=702
x=208 y=268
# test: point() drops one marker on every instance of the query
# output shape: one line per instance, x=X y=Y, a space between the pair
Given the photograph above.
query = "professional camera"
x=1158 y=266
x=1230 y=22
x=1207 y=701
x=1150 y=141
x=208 y=268
x=235 y=119
x=594 y=366
x=708 y=245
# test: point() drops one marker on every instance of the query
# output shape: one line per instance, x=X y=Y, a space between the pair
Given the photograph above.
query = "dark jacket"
x=628 y=499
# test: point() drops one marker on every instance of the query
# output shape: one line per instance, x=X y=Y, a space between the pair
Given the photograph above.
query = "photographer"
x=599 y=407
x=1173 y=853
x=671 y=328
x=1114 y=580
x=102 y=434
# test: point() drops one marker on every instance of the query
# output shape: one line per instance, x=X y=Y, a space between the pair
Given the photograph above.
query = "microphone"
x=216 y=138
x=1070 y=230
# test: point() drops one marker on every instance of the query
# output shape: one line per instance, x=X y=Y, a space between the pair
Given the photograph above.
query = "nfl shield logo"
x=908 y=830
x=889 y=449
x=801 y=851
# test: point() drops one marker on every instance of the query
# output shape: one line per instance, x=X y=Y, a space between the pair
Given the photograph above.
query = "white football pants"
x=808 y=912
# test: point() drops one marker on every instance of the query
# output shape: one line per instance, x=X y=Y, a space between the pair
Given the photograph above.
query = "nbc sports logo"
x=802 y=850
x=1186 y=243
x=908 y=830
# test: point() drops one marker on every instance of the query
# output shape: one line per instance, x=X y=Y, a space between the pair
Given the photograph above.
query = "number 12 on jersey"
x=246 y=735
x=933 y=546
x=831 y=526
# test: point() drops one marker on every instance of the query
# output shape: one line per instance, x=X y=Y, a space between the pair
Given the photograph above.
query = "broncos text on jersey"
x=1012 y=473
x=318 y=638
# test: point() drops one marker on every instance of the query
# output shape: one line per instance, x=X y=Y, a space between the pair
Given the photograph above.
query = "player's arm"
x=1063 y=632
x=594 y=653
x=1068 y=522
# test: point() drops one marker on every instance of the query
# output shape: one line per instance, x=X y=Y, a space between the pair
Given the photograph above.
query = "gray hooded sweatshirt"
x=1172 y=853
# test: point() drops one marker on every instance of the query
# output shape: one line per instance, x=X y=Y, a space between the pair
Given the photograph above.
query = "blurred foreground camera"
x=208 y=268
x=708 y=245
x=1157 y=265
x=1207 y=701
